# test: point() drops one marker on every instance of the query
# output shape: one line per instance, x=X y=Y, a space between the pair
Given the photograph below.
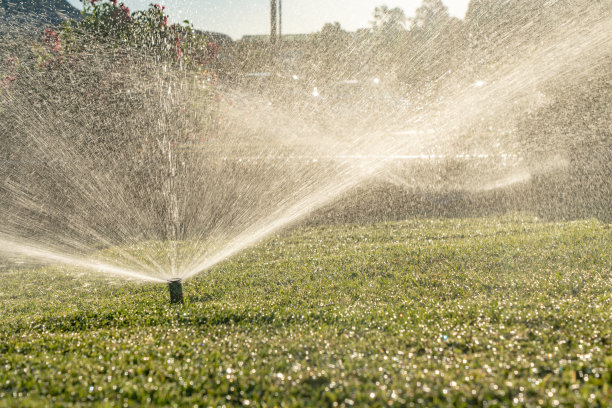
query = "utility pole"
x=276 y=20
x=273 y=29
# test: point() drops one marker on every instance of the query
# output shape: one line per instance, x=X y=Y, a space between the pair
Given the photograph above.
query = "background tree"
x=330 y=48
x=574 y=133
x=432 y=44
x=431 y=15
x=388 y=39
x=388 y=22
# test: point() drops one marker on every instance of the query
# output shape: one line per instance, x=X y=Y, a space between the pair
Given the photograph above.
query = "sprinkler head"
x=176 y=290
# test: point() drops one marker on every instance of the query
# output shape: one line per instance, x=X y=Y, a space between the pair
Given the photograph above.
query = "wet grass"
x=511 y=311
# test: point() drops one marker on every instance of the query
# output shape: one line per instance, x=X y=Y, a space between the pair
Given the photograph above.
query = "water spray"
x=176 y=290
x=222 y=197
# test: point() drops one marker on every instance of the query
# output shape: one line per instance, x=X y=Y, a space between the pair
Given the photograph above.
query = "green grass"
x=438 y=312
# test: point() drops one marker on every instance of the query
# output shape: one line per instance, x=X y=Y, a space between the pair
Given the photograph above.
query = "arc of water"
x=558 y=59
x=49 y=256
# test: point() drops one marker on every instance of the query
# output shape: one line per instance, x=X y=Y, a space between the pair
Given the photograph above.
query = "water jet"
x=176 y=290
x=169 y=192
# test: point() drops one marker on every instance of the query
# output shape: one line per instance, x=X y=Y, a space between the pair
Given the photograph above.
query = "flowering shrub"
x=110 y=26
x=146 y=32
x=123 y=93
x=11 y=75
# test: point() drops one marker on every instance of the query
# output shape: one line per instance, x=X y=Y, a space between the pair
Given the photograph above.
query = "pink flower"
x=8 y=79
x=52 y=39
x=125 y=10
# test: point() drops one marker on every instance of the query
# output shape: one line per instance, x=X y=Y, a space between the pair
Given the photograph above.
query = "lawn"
x=507 y=311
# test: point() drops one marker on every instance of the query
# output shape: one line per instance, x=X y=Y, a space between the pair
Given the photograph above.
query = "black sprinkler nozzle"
x=176 y=291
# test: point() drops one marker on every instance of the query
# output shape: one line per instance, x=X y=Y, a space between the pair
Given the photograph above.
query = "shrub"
x=146 y=33
x=100 y=108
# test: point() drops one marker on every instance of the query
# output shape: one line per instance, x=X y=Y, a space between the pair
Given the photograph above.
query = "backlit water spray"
x=178 y=199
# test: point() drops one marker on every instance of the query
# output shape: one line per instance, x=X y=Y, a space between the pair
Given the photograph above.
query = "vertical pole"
x=280 y=20
x=273 y=21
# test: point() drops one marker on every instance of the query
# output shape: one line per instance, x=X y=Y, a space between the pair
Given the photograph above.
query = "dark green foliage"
x=36 y=12
x=141 y=33
x=434 y=312
x=575 y=131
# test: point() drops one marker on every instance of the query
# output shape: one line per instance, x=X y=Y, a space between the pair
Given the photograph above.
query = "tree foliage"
x=388 y=21
x=116 y=95
x=146 y=33
x=431 y=15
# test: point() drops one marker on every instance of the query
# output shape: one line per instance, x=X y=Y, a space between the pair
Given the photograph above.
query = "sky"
x=239 y=17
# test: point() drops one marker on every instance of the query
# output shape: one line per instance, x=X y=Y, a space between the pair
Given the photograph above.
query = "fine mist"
x=120 y=165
